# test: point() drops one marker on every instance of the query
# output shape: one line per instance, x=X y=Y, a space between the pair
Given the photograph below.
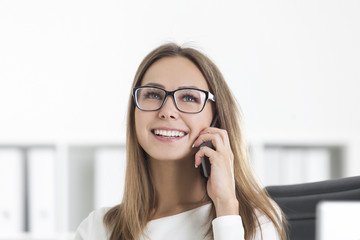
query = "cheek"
x=205 y=117
x=199 y=123
x=137 y=118
x=142 y=124
x=139 y=123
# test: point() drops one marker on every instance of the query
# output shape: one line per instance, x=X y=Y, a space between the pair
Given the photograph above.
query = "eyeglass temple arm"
x=211 y=97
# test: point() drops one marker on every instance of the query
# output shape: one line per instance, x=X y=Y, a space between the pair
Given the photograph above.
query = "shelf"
x=90 y=175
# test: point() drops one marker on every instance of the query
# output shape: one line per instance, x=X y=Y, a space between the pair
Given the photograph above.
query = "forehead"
x=173 y=73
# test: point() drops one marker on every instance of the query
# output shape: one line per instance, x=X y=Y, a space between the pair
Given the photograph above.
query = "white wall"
x=66 y=66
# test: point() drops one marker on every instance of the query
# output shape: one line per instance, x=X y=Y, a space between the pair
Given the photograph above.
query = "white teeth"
x=165 y=133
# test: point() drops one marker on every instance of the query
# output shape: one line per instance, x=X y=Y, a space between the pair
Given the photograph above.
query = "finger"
x=205 y=151
x=215 y=139
x=221 y=132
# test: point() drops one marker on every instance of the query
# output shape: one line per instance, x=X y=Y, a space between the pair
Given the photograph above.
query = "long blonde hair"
x=128 y=220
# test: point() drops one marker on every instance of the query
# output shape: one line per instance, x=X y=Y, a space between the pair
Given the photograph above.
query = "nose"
x=169 y=110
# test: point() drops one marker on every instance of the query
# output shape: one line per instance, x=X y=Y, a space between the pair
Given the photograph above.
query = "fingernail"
x=193 y=145
x=196 y=166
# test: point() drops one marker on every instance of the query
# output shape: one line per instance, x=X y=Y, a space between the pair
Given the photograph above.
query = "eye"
x=152 y=95
x=189 y=98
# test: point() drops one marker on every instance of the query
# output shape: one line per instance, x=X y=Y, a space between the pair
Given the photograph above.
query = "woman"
x=177 y=94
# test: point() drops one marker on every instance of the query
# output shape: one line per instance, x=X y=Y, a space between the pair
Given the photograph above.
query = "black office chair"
x=299 y=201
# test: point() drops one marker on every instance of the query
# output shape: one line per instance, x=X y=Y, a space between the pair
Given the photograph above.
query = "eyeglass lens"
x=186 y=100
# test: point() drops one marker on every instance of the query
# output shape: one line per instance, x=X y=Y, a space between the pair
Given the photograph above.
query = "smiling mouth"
x=168 y=134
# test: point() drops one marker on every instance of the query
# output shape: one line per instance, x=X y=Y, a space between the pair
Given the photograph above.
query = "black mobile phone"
x=205 y=163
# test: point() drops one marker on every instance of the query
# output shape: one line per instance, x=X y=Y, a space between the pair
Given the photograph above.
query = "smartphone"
x=205 y=163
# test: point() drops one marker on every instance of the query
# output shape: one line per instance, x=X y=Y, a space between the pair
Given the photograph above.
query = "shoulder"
x=263 y=218
x=93 y=226
x=267 y=228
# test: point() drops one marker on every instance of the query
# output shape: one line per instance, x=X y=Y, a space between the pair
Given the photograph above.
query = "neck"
x=179 y=186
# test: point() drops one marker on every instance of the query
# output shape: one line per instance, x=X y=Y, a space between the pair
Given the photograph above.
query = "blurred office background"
x=65 y=74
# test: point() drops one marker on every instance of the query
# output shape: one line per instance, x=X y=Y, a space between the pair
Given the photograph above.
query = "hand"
x=221 y=183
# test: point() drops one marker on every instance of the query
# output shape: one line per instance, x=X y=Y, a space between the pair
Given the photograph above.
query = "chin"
x=171 y=155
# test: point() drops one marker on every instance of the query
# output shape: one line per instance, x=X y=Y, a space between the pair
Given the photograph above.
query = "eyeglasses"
x=187 y=100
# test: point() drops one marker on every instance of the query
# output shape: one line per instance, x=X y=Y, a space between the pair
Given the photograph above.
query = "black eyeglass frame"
x=208 y=96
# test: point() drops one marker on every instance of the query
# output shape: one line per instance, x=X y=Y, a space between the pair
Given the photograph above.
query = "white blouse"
x=189 y=225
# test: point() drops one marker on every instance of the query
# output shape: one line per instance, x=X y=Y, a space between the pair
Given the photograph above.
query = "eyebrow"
x=162 y=86
x=154 y=85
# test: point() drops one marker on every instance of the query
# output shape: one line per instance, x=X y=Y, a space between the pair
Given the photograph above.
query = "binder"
x=293 y=166
x=273 y=160
x=317 y=164
x=41 y=184
x=12 y=203
x=109 y=174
